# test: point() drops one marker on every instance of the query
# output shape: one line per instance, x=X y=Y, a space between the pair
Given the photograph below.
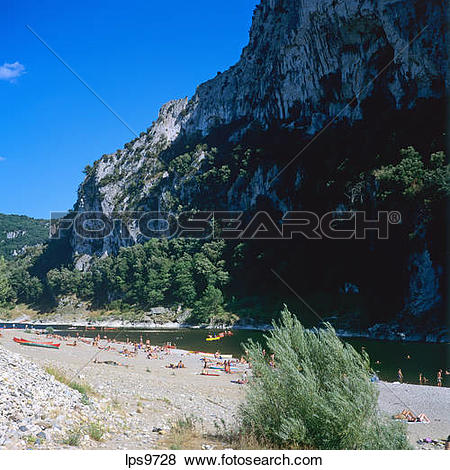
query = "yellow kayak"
x=215 y=338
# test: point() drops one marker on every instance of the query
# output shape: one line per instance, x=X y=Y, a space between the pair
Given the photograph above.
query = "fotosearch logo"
x=225 y=225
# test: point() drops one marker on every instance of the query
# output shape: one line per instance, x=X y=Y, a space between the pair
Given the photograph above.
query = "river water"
x=427 y=358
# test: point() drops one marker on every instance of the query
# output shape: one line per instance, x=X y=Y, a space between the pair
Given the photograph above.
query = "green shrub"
x=73 y=437
x=415 y=178
x=182 y=433
x=318 y=395
x=96 y=431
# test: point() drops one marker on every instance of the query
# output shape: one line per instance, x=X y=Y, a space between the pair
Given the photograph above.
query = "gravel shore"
x=137 y=401
x=141 y=398
x=434 y=402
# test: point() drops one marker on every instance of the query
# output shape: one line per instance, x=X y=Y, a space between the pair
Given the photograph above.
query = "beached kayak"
x=37 y=344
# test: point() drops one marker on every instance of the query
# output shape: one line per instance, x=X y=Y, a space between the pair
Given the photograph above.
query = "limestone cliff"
x=307 y=62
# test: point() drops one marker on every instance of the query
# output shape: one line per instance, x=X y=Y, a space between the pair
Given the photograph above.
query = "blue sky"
x=136 y=55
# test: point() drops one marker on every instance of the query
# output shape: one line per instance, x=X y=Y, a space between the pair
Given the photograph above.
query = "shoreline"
x=143 y=395
x=150 y=396
x=150 y=325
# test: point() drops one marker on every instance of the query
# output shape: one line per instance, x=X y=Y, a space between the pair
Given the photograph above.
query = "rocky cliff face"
x=307 y=62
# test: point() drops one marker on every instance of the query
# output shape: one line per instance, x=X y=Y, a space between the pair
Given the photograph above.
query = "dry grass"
x=184 y=434
x=96 y=431
x=233 y=438
x=82 y=387
x=72 y=437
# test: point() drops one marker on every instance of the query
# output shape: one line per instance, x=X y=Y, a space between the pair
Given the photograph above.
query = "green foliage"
x=64 y=281
x=72 y=437
x=30 y=439
x=88 y=170
x=183 y=280
x=96 y=431
x=318 y=395
x=23 y=231
x=210 y=306
x=415 y=179
x=157 y=273
x=6 y=290
x=182 y=164
x=26 y=287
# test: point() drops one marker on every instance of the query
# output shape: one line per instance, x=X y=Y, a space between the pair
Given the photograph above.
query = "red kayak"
x=43 y=344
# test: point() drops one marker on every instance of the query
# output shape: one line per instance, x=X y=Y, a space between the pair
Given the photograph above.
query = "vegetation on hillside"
x=414 y=178
x=174 y=273
x=216 y=279
x=19 y=231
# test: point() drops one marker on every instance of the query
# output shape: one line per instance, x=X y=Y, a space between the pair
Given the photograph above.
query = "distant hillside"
x=20 y=231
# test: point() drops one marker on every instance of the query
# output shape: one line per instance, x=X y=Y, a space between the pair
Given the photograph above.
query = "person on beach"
x=420 y=378
x=439 y=378
x=243 y=380
x=400 y=375
x=272 y=361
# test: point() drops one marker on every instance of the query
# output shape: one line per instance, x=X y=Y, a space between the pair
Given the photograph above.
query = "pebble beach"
x=135 y=403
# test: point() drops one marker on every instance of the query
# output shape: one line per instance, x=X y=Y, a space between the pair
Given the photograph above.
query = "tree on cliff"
x=6 y=291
